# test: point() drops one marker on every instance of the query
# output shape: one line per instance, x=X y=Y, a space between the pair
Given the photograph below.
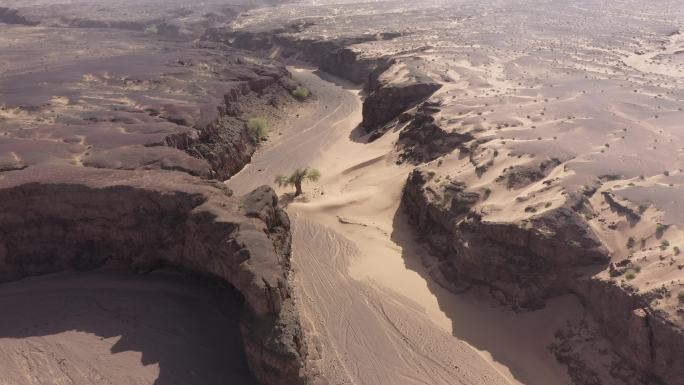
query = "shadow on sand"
x=189 y=328
x=507 y=336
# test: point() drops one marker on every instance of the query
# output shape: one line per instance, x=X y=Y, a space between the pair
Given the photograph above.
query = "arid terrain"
x=498 y=200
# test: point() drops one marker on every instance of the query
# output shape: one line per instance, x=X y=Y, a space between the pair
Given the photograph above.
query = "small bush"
x=152 y=30
x=574 y=243
x=487 y=193
x=681 y=296
x=676 y=250
x=631 y=275
x=257 y=128
x=301 y=93
x=660 y=228
x=664 y=245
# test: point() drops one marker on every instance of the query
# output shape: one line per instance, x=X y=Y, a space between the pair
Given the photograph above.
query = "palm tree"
x=297 y=177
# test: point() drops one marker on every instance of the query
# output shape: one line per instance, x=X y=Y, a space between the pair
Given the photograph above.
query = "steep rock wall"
x=60 y=218
x=386 y=99
x=525 y=263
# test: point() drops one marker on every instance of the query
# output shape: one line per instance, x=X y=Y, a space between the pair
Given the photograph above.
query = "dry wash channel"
x=372 y=314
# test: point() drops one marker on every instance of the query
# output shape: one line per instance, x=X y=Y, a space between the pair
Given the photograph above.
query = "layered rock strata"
x=526 y=262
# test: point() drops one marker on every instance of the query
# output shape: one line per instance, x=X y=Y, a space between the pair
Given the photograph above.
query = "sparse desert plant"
x=664 y=245
x=487 y=193
x=297 y=178
x=631 y=275
x=301 y=92
x=676 y=250
x=152 y=30
x=681 y=296
x=257 y=128
x=660 y=229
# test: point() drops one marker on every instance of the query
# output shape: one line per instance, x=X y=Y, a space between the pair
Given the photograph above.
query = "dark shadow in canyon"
x=466 y=327
x=186 y=324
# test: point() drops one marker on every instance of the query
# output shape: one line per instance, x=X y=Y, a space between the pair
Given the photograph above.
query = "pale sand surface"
x=118 y=328
x=373 y=313
x=593 y=87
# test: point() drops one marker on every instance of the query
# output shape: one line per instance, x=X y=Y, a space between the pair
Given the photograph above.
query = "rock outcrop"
x=335 y=56
x=647 y=338
x=423 y=140
x=390 y=99
x=387 y=98
x=56 y=218
x=119 y=159
x=526 y=262
x=14 y=16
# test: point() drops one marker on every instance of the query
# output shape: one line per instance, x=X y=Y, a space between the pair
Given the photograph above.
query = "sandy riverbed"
x=372 y=312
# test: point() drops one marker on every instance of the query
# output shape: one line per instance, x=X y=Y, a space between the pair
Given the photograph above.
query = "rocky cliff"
x=525 y=262
x=119 y=159
x=387 y=97
x=62 y=218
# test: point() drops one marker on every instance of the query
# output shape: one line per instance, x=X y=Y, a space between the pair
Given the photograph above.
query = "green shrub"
x=664 y=245
x=301 y=93
x=676 y=250
x=660 y=228
x=297 y=178
x=681 y=296
x=152 y=30
x=257 y=128
x=631 y=275
x=487 y=193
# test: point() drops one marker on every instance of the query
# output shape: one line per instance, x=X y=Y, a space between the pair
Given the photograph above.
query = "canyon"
x=499 y=199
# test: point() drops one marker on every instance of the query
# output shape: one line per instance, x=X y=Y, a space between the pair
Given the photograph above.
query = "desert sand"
x=499 y=200
x=370 y=307
x=114 y=327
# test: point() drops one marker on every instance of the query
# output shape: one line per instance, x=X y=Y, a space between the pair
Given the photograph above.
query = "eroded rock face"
x=525 y=263
x=13 y=16
x=646 y=337
x=61 y=218
x=335 y=56
x=389 y=100
x=423 y=140
x=118 y=158
x=388 y=97
x=150 y=105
